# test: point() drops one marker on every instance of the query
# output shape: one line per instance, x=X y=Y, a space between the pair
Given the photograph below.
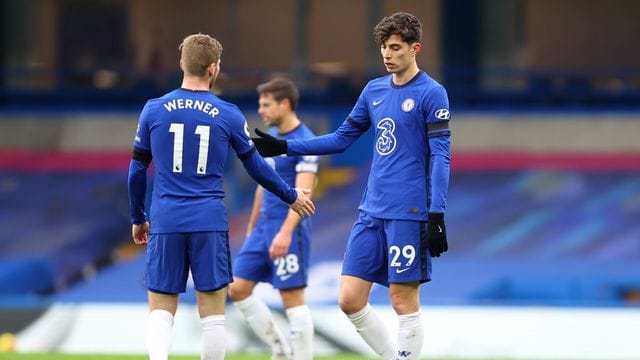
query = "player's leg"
x=291 y=274
x=252 y=265
x=300 y=323
x=165 y=277
x=405 y=299
x=258 y=316
x=409 y=265
x=364 y=263
x=212 y=323
x=211 y=270
x=162 y=309
x=354 y=295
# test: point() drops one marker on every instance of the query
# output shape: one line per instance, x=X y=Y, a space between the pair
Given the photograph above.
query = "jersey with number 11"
x=189 y=134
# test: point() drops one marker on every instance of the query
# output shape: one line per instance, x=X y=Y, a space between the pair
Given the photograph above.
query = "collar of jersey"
x=413 y=79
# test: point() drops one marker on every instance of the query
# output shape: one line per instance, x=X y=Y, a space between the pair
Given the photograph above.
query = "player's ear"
x=213 y=69
x=415 y=48
x=286 y=102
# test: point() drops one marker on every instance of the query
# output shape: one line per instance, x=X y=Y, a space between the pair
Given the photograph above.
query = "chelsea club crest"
x=407 y=105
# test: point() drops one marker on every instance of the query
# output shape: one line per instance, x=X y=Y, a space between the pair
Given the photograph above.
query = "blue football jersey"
x=411 y=134
x=400 y=115
x=287 y=167
x=189 y=134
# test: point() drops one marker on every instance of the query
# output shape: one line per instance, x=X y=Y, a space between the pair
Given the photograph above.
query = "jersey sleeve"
x=336 y=142
x=266 y=176
x=359 y=115
x=137 y=188
x=239 y=134
x=140 y=159
x=357 y=123
x=255 y=165
x=437 y=115
x=142 y=139
x=436 y=112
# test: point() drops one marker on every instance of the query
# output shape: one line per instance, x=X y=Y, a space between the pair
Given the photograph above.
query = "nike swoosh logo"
x=377 y=102
x=398 y=271
x=439 y=228
x=285 y=277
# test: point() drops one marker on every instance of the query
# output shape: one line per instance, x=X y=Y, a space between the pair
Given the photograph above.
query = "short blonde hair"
x=197 y=52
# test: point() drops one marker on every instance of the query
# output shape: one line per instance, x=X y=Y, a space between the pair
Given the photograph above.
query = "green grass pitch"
x=58 y=356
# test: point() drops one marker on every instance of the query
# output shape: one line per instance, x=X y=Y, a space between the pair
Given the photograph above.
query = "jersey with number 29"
x=189 y=134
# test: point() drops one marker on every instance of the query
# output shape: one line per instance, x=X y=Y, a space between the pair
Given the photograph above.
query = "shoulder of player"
x=375 y=85
x=430 y=84
x=382 y=81
x=229 y=107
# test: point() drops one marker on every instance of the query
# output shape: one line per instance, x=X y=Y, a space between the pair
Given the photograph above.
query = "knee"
x=404 y=305
x=238 y=293
x=350 y=304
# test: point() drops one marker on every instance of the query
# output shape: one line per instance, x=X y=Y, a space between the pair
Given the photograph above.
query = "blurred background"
x=543 y=217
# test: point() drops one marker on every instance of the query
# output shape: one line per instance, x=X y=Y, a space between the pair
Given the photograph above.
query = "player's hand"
x=140 y=233
x=280 y=244
x=303 y=204
x=268 y=145
x=436 y=234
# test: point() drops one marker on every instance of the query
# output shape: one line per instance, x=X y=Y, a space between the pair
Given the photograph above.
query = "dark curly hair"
x=401 y=23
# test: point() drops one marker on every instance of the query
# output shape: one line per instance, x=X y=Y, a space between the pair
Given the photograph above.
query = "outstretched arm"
x=266 y=176
x=336 y=142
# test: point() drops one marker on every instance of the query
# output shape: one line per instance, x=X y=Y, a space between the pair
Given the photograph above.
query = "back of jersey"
x=188 y=133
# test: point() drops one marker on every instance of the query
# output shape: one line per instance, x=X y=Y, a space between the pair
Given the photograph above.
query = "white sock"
x=261 y=321
x=301 y=326
x=159 y=324
x=213 y=337
x=410 y=336
x=374 y=332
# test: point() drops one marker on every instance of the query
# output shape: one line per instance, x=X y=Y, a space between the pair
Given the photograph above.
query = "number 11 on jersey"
x=178 y=142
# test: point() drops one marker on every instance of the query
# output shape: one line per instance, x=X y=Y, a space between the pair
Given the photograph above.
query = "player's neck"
x=401 y=78
x=195 y=83
x=288 y=123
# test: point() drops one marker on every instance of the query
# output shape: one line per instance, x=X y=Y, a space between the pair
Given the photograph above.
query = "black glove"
x=268 y=145
x=436 y=234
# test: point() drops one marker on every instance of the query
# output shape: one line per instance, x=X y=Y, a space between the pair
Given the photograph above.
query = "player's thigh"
x=211 y=302
x=292 y=270
x=210 y=260
x=366 y=252
x=167 y=263
x=408 y=258
x=252 y=262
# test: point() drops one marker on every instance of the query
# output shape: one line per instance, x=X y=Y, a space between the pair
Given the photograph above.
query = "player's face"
x=397 y=54
x=270 y=109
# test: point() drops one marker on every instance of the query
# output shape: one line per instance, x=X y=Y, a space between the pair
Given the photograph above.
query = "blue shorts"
x=170 y=256
x=253 y=262
x=387 y=251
